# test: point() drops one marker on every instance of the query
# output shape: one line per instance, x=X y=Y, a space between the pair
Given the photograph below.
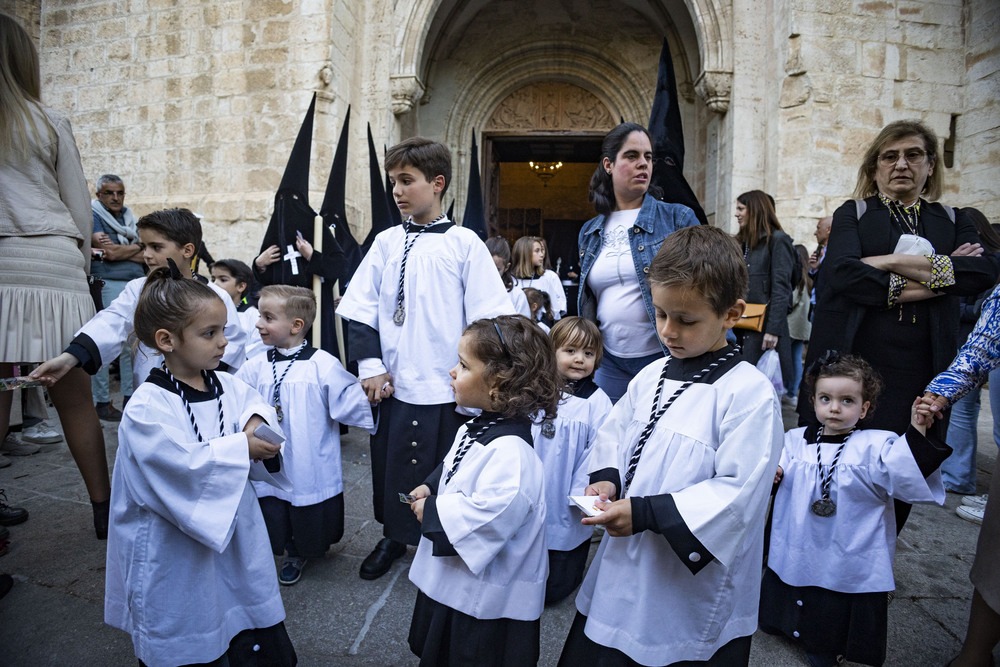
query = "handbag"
x=753 y=317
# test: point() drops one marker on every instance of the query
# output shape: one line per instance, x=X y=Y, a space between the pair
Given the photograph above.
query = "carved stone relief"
x=551 y=106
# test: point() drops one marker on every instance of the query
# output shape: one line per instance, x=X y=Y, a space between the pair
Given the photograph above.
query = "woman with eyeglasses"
x=45 y=234
x=896 y=263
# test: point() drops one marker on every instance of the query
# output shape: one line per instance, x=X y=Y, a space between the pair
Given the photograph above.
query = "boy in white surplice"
x=688 y=456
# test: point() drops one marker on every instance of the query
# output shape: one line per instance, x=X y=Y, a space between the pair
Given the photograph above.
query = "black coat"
x=770 y=267
x=850 y=289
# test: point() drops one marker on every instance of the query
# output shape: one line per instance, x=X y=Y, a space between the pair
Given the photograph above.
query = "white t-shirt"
x=621 y=311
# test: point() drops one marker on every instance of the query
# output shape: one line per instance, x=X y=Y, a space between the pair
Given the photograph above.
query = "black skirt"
x=565 y=572
x=410 y=443
x=444 y=637
x=854 y=625
x=257 y=647
x=582 y=650
x=303 y=531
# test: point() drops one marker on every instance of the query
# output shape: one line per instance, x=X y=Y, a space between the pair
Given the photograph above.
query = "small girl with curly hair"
x=482 y=562
x=833 y=536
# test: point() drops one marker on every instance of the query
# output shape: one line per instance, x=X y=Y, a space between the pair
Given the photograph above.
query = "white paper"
x=586 y=503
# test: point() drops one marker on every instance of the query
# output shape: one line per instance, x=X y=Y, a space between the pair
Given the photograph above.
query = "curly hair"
x=834 y=365
x=519 y=366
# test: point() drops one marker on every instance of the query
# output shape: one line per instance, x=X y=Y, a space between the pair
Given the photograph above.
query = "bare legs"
x=72 y=399
x=982 y=636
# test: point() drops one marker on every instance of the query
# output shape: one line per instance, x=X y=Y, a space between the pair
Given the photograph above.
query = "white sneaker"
x=973 y=514
x=976 y=501
x=41 y=433
x=13 y=447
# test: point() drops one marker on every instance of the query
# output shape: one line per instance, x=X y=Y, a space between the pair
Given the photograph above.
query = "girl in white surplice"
x=482 y=561
x=834 y=530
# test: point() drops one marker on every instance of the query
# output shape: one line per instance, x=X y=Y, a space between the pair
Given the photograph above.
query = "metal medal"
x=548 y=429
x=399 y=315
x=281 y=415
x=824 y=507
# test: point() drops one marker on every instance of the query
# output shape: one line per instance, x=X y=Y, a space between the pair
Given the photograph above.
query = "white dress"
x=714 y=453
x=188 y=560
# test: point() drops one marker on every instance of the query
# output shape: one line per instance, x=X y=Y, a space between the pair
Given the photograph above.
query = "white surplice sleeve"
x=720 y=510
x=361 y=300
x=345 y=398
x=897 y=474
x=485 y=295
x=237 y=336
x=480 y=519
x=108 y=330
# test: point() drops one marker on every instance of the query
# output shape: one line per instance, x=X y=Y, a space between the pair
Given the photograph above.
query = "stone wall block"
x=56 y=18
x=119 y=49
x=264 y=179
x=260 y=79
x=99 y=11
x=812 y=206
x=831 y=55
x=260 y=10
x=795 y=91
x=935 y=13
x=873 y=59
x=931 y=35
x=269 y=56
x=276 y=32
x=882 y=8
x=977 y=121
x=863 y=28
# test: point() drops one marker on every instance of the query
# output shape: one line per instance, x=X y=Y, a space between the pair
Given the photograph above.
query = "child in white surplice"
x=481 y=563
x=313 y=395
x=188 y=570
x=564 y=445
x=688 y=455
x=833 y=535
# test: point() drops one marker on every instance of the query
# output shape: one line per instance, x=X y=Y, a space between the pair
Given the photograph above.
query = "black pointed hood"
x=474 y=217
x=334 y=208
x=381 y=215
x=292 y=212
x=667 y=136
x=397 y=217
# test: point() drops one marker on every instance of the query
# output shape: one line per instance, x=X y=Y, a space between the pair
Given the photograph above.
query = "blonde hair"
x=866 y=185
x=298 y=302
x=20 y=90
x=521 y=258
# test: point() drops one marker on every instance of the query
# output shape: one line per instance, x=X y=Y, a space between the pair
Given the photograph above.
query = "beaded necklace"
x=656 y=412
x=399 y=316
x=210 y=381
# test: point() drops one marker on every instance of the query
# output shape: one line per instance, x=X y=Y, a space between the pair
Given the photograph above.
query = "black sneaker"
x=108 y=412
x=11 y=516
x=291 y=570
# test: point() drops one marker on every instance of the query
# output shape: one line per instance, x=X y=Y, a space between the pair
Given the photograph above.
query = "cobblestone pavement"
x=54 y=614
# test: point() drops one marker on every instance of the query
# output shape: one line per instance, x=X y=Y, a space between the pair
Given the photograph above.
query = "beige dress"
x=45 y=227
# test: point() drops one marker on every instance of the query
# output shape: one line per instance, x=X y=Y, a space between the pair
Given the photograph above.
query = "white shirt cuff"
x=371 y=367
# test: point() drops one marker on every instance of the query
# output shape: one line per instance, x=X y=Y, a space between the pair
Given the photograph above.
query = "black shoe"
x=11 y=516
x=4 y=534
x=6 y=583
x=108 y=412
x=101 y=512
x=380 y=559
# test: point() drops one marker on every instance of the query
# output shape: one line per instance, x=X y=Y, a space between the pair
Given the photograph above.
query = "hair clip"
x=828 y=358
x=503 y=343
x=175 y=273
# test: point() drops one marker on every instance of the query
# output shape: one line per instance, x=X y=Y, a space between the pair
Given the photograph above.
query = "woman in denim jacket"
x=616 y=249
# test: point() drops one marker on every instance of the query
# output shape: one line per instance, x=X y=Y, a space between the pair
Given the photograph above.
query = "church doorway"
x=537 y=186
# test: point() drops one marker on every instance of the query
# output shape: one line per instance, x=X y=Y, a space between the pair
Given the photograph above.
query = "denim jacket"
x=656 y=221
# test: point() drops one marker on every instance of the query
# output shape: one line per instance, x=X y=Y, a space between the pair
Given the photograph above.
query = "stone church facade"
x=197 y=103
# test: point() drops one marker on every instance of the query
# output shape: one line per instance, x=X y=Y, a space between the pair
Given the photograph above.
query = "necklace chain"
x=399 y=316
x=276 y=395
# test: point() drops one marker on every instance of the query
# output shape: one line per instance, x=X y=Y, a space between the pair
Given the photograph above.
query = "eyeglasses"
x=112 y=193
x=913 y=157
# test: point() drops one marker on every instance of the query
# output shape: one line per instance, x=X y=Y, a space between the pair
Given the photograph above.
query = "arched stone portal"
x=454 y=66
